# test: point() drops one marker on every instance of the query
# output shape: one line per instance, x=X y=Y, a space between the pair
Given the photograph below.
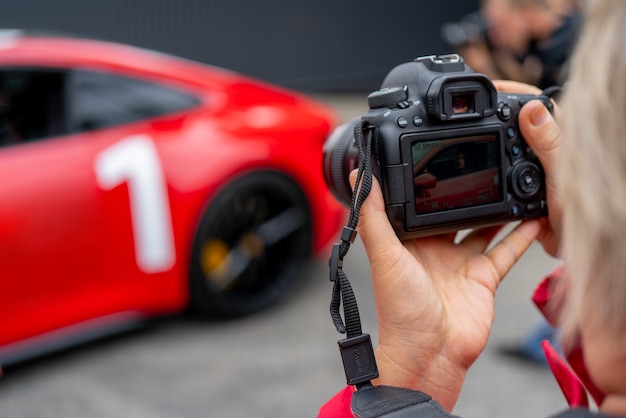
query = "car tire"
x=250 y=246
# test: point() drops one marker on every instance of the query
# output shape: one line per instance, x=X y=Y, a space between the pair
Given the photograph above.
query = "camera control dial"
x=526 y=179
x=388 y=97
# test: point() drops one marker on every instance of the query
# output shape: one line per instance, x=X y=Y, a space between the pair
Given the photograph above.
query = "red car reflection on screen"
x=456 y=173
x=134 y=183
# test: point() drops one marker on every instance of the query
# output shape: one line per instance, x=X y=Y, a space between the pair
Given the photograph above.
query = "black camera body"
x=448 y=151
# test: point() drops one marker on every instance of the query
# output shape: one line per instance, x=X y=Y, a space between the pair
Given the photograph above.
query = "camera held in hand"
x=447 y=152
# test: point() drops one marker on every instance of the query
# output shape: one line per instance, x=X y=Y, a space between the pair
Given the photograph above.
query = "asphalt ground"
x=281 y=363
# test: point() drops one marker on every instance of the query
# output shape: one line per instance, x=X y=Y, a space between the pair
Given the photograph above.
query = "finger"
x=541 y=132
x=479 y=239
x=507 y=86
x=374 y=228
x=543 y=135
x=505 y=253
x=447 y=236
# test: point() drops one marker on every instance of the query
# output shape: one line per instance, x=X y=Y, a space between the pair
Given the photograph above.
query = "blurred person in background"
x=522 y=40
x=435 y=296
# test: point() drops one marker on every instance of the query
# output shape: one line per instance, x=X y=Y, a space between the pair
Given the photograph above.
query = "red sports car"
x=134 y=184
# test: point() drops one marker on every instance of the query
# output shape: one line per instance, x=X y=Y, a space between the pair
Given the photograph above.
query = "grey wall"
x=320 y=45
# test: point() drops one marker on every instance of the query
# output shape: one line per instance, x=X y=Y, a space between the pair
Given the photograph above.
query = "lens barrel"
x=341 y=156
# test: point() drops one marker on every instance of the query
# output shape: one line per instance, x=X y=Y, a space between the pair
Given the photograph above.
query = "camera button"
x=504 y=111
x=418 y=120
x=515 y=210
x=510 y=133
x=516 y=150
x=402 y=122
x=534 y=207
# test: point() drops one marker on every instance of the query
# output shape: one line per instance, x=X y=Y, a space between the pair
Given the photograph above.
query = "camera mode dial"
x=388 y=98
x=526 y=179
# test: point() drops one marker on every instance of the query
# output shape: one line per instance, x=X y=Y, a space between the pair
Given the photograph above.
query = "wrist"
x=437 y=376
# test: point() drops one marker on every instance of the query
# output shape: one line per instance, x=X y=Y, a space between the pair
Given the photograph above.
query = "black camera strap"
x=357 y=353
x=356 y=350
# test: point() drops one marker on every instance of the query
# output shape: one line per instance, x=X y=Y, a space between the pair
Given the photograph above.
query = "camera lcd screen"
x=456 y=173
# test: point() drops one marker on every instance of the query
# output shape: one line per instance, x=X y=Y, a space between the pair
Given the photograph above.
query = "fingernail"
x=539 y=115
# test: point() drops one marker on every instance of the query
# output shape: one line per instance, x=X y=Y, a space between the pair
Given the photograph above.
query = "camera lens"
x=526 y=180
x=341 y=156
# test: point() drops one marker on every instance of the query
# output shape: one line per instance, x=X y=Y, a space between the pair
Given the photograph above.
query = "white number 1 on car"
x=135 y=160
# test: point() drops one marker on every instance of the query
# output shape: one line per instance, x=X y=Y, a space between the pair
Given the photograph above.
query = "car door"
x=46 y=201
x=79 y=178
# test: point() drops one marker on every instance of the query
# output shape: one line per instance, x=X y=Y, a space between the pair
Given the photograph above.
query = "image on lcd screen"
x=456 y=173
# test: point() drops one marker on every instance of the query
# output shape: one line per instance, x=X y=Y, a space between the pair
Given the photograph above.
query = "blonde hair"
x=592 y=173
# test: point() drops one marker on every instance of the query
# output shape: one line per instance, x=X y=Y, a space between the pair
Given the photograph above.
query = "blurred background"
x=320 y=46
x=284 y=361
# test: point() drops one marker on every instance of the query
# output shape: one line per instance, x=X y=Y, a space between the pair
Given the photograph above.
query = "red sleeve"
x=572 y=376
x=339 y=405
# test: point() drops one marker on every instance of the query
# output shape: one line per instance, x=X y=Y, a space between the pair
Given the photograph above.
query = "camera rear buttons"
x=535 y=207
x=504 y=111
x=526 y=180
x=510 y=133
x=403 y=122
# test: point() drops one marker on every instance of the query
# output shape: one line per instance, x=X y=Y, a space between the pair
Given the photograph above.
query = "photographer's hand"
x=434 y=299
x=543 y=135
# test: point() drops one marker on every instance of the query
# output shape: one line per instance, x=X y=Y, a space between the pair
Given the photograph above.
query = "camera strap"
x=356 y=349
x=357 y=353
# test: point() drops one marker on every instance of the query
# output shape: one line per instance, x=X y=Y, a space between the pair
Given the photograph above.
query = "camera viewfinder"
x=462 y=103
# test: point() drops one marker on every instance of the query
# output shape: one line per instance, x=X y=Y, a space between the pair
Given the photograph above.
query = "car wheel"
x=250 y=245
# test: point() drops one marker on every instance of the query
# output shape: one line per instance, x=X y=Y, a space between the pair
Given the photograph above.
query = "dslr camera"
x=447 y=150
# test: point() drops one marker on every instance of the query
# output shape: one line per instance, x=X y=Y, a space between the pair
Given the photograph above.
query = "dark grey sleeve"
x=392 y=402
x=580 y=413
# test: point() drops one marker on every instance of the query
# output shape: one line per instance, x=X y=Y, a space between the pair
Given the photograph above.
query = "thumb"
x=542 y=134
x=374 y=228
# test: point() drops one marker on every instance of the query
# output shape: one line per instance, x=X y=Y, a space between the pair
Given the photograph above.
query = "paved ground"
x=283 y=363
